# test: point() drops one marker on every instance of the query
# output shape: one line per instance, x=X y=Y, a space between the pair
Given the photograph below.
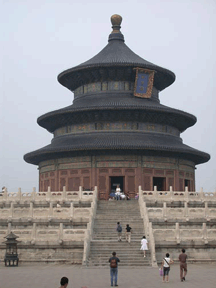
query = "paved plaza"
x=44 y=276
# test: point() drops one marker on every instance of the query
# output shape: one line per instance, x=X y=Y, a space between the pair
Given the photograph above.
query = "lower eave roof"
x=62 y=146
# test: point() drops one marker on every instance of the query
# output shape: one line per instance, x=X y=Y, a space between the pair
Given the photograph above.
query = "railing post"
x=186 y=210
x=171 y=194
x=12 y=209
x=19 y=194
x=9 y=227
x=164 y=211
x=152 y=245
x=64 y=196
x=205 y=233
x=155 y=193
x=95 y=192
x=51 y=210
x=31 y=210
x=89 y=231
x=48 y=194
x=177 y=232
x=141 y=201
x=206 y=210
x=5 y=194
x=60 y=233
x=71 y=210
x=202 y=196
x=186 y=194
x=80 y=193
x=33 y=193
x=33 y=236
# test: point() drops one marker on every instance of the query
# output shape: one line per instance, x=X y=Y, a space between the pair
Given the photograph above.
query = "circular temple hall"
x=116 y=132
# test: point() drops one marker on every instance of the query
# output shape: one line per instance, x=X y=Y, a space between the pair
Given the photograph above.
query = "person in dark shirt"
x=128 y=233
x=114 y=268
x=183 y=265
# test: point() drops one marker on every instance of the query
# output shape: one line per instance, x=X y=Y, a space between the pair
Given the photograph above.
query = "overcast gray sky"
x=42 y=38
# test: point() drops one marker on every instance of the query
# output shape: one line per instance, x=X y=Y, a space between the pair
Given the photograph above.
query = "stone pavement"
x=48 y=275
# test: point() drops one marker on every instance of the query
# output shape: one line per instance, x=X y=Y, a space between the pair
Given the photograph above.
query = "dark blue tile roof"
x=121 y=141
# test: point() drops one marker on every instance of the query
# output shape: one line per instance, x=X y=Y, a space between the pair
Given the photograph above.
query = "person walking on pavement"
x=119 y=231
x=114 y=268
x=183 y=265
x=128 y=233
x=165 y=265
x=144 y=245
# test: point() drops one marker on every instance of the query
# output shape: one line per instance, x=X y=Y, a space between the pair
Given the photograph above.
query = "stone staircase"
x=104 y=240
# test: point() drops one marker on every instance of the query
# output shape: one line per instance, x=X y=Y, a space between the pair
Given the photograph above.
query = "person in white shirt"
x=165 y=265
x=118 y=192
x=144 y=245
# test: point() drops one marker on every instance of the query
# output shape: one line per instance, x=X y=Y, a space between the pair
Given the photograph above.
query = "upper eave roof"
x=115 y=54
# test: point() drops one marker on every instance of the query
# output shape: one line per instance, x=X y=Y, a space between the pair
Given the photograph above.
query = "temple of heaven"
x=116 y=131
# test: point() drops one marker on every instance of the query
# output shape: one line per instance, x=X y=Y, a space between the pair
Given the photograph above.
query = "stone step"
x=119 y=218
x=123 y=223
x=113 y=232
x=139 y=257
x=122 y=260
x=105 y=235
x=122 y=254
x=114 y=239
x=130 y=257
x=119 y=210
x=114 y=223
x=107 y=249
x=134 y=264
x=121 y=213
x=112 y=227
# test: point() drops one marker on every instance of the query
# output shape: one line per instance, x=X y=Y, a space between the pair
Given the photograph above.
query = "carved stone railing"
x=89 y=231
x=185 y=213
x=147 y=228
x=201 y=234
x=178 y=195
x=21 y=197
x=36 y=234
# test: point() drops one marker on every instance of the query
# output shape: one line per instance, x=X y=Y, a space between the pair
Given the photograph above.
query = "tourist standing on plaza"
x=165 y=265
x=64 y=282
x=128 y=233
x=114 y=268
x=119 y=231
x=183 y=265
x=144 y=245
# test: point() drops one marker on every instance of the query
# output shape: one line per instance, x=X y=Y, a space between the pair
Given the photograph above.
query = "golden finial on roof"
x=116 y=22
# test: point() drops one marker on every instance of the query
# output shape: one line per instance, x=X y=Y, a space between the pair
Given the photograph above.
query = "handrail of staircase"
x=89 y=230
x=147 y=227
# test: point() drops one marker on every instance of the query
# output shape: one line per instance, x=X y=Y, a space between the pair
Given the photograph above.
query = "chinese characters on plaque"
x=143 y=83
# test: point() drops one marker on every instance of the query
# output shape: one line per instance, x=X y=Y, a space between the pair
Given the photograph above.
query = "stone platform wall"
x=51 y=226
x=176 y=220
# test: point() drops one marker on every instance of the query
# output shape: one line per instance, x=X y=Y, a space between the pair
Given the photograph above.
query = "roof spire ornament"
x=116 y=22
x=116 y=33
